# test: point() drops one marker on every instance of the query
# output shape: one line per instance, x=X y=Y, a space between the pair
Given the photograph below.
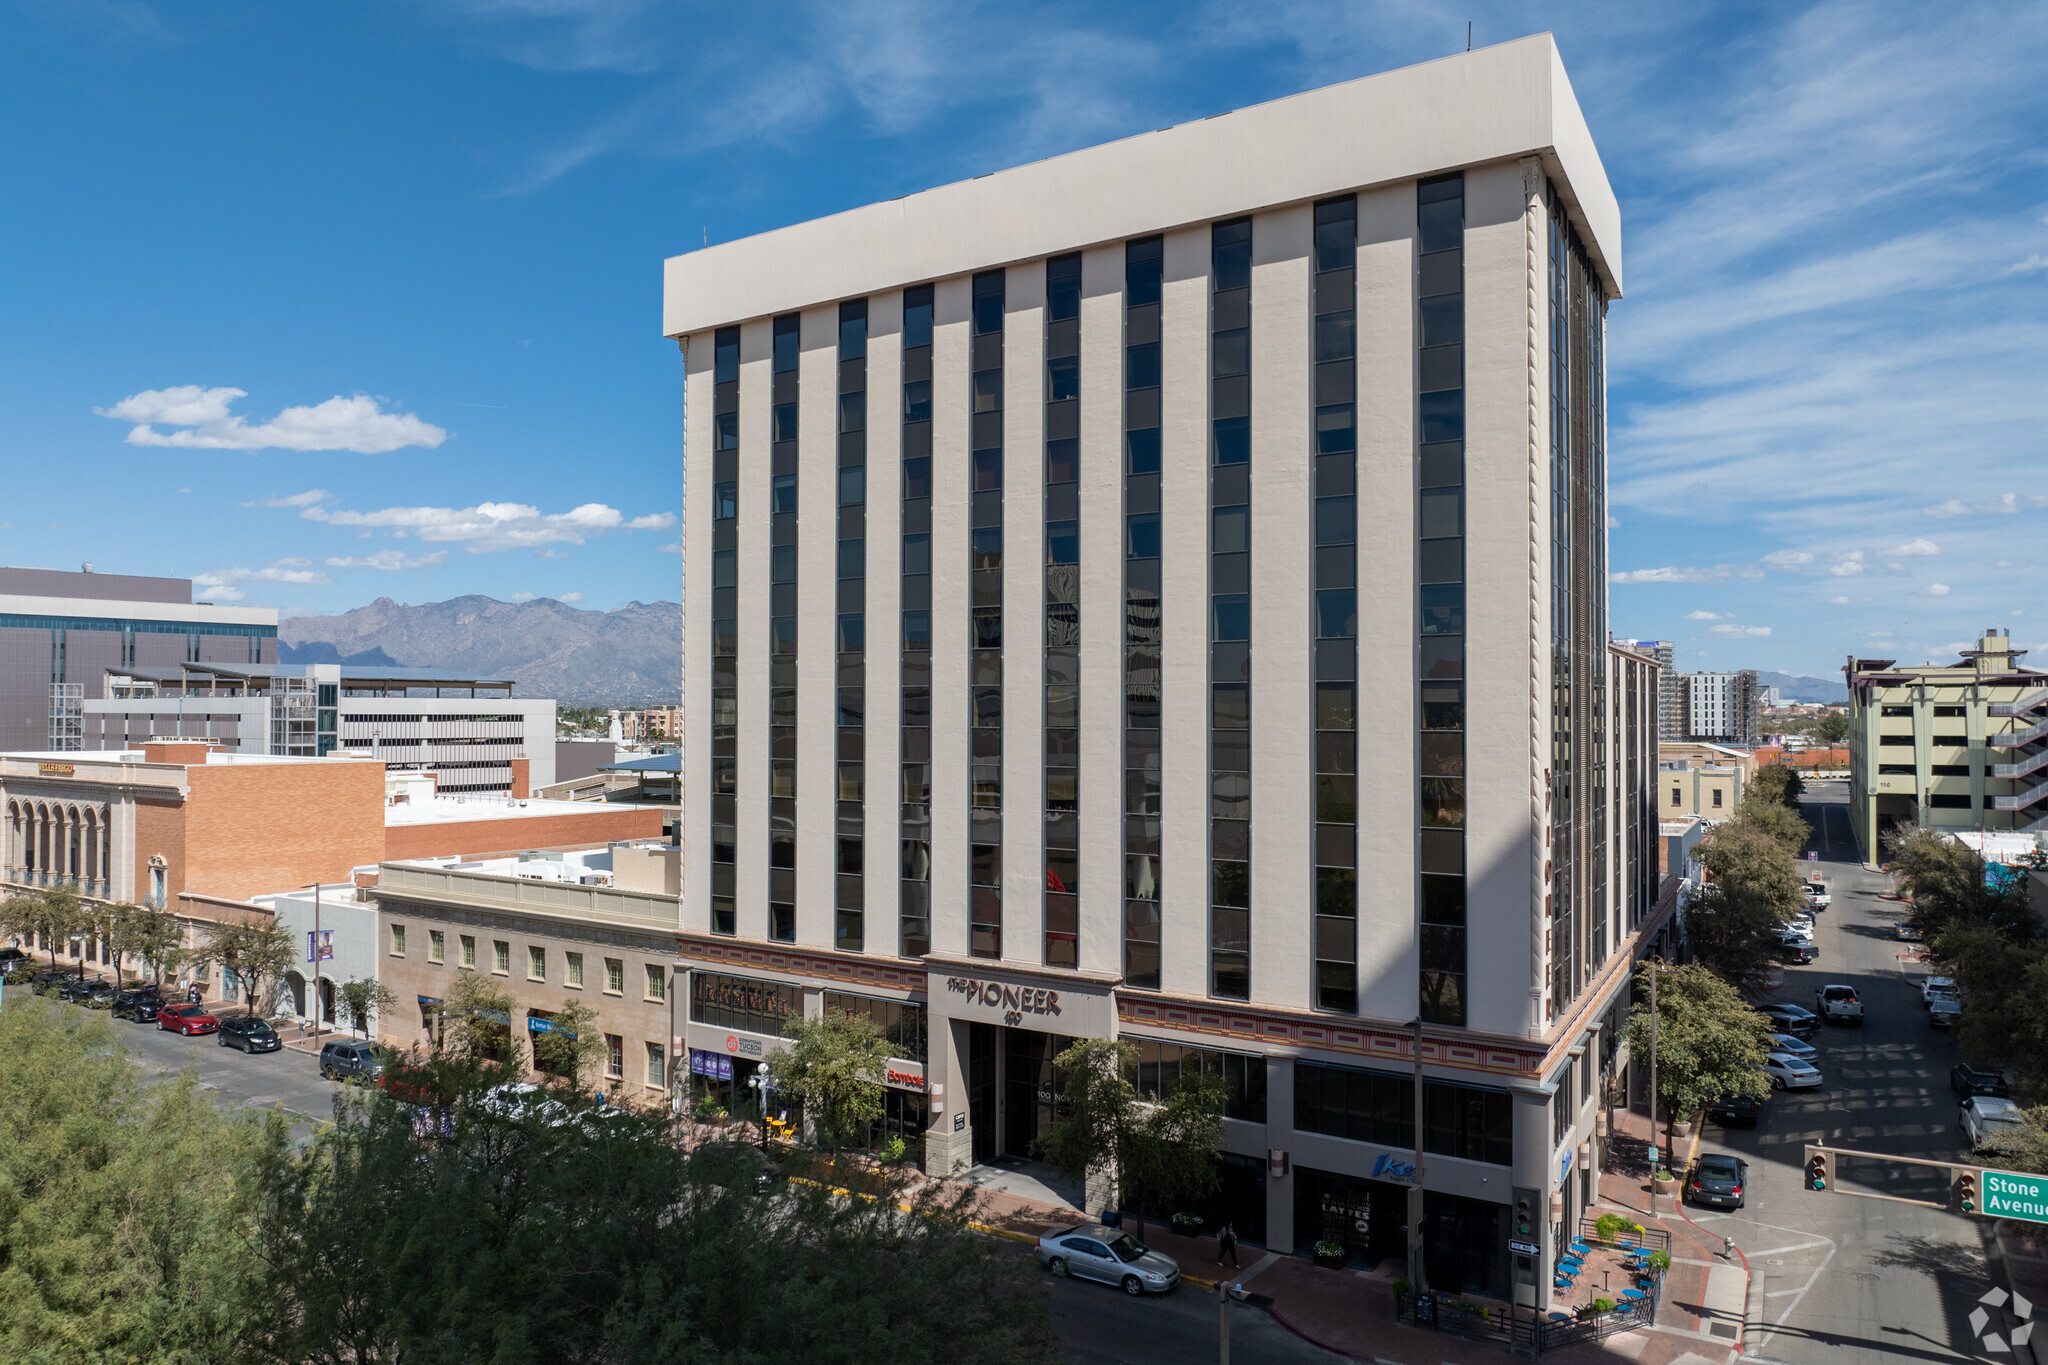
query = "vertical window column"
x=1230 y=609
x=985 y=666
x=1336 y=604
x=782 y=614
x=1062 y=610
x=849 y=926
x=1440 y=575
x=725 y=636
x=1143 y=267
x=914 y=928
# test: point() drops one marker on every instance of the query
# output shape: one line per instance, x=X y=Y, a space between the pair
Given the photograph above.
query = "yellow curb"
x=1699 y=1124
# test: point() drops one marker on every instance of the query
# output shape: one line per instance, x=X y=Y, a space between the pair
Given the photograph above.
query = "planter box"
x=1332 y=1262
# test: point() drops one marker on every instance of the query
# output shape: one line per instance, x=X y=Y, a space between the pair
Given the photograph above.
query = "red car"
x=187 y=1019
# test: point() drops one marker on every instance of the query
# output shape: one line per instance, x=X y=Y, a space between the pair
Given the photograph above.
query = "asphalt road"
x=1099 y=1324
x=1839 y=1279
x=284 y=1078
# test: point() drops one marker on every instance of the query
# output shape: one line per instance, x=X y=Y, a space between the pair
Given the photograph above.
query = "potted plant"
x=1660 y=1261
x=1401 y=1287
x=1608 y=1227
x=1330 y=1254
x=1187 y=1224
x=1602 y=1305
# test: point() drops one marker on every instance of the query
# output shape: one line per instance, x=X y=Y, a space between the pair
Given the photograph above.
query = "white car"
x=1802 y=928
x=1817 y=895
x=1985 y=1119
x=1789 y=1073
x=1936 y=985
x=1793 y=1047
x=1837 y=1003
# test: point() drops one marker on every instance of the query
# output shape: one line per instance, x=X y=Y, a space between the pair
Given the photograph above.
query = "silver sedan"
x=1089 y=1251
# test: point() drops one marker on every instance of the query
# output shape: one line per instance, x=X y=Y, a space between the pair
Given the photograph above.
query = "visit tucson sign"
x=2007 y=1195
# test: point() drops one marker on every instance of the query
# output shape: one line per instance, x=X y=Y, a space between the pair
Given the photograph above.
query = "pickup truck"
x=1838 y=1004
x=1817 y=895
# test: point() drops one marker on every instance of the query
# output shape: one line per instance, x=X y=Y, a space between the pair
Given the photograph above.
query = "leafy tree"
x=477 y=1022
x=1831 y=728
x=838 y=1063
x=1776 y=782
x=21 y=920
x=252 y=950
x=1103 y=1129
x=362 y=999
x=1945 y=879
x=155 y=936
x=549 y=1233
x=573 y=1047
x=124 y=1207
x=1710 y=1042
x=1754 y=889
x=54 y=914
x=110 y=921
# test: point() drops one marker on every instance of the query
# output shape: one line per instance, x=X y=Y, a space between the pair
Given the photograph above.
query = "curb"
x=1281 y=1318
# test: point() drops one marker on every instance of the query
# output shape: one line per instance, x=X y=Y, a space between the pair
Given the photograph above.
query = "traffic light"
x=1966 y=1191
x=1816 y=1169
x=1525 y=1218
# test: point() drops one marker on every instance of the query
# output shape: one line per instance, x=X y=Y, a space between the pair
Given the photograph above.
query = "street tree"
x=1709 y=1041
x=1764 y=813
x=156 y=937
x=1103 y=1131
x=839 y=1063
x=606 y=1241
x=21 y=919
x=1946 y=881
x=254 y=950
x=110 y=924
x=573 y=1046
x=1831 y=728
x=1777 y=782
x=1753 y=890
x=59 y=916
x=1175 y=1158
x=476 y=1018
x=361 y=1000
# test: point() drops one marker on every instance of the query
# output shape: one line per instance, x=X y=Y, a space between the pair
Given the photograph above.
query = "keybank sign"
x=2015 y=1196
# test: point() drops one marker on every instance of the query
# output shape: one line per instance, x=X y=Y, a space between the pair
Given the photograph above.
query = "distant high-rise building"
x=1721 y=708
x=1670 y=689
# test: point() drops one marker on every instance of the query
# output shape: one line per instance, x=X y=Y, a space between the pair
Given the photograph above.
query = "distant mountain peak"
x=549 y=648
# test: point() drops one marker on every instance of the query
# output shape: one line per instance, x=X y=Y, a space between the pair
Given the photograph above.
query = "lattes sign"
x=1014 y=1001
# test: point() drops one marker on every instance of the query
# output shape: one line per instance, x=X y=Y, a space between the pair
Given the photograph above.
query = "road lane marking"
x=1797 y=1246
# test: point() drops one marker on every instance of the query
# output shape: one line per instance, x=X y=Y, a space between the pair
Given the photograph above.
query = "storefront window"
x=743 y=1003
x=1160 y=1066
x=901 y=1022
x=1465 y=1121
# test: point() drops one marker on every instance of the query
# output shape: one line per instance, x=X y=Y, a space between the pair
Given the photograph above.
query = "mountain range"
x=631 y=656
x=1798 y=687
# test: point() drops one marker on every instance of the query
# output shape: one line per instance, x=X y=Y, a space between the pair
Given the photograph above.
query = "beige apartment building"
x=1701 y=781
x=1948 y=746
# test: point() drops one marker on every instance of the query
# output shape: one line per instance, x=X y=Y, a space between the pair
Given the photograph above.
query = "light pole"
x=313 y=952
x=762 y=1081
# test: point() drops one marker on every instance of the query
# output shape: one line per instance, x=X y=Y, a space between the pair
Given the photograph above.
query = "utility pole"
x=313 y=952
x=1415 y=1275
x=1653 y=1065
x=1223 y=1323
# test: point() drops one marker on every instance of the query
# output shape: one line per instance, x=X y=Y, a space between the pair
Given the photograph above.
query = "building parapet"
x=556 y=900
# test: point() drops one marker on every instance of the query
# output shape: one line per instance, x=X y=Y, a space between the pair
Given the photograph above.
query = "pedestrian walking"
x=1226 y=1244
x=192 y=993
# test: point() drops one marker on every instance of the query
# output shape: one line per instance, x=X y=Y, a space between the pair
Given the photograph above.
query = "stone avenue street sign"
x=2007 y=1195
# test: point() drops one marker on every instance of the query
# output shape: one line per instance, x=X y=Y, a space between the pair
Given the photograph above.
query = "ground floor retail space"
x=1464 y=1241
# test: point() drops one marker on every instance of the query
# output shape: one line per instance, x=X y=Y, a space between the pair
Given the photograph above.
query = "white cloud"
x=1785 y=559
x=2004 y=503
x=305 y=499
x=524 y=596
x=674 y=547
x=1919 y=546
x=572 y=598
x=1702 y=616
x=218 y=584
x=2027 y=267
x=490 y=526
x=1844 y=565
x=1715 y=573
x=1936 y=590
x=1613 y=522
x=1838 y=601
x=359 y=423
x=1740 y=632
x=389 y=560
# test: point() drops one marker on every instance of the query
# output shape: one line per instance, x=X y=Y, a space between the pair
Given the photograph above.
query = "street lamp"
x=762 y=1081
x=314 y=953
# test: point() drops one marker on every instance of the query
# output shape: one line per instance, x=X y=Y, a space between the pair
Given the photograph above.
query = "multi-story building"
x=1159 y=593
x=1670 y=687
x=1948 y=746
x=472 y=734
x=1722 y=707
x=61 y=633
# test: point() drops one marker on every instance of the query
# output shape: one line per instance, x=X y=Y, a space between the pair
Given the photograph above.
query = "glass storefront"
x=1369 y=1218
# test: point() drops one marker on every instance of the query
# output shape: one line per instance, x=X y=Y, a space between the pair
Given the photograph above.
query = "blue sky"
x=324 y=303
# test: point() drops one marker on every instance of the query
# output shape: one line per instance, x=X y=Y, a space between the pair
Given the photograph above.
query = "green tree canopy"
x=477 y=1022
x=1102 y=1128
x=573 y=1046
x=255 y=950
x=1754 y=889
x=153 y=935
x=1945 y=879
x=361 y=1000
x=838 y=1063
x=1778 y=783
x=1710 y=1042
x=1831 y=728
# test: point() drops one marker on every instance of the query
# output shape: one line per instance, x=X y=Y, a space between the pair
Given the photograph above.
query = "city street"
x=1840 y=1279
x=1100 y=1325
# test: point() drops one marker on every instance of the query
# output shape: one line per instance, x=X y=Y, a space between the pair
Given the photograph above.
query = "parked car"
x=1792 y=948
x=139 y=1005
x=1790 y=1019
x=1090 y=1252
x=1789 y=1073
x=12 y=957
x=1717 y=1180
x=80 y=990
x=1985 y=1119
x=250 y=1034
x=1944 y=1012
x=1838 y=1004
x=1732 y=1110
x=49 y=981
x=349 y=1059
x=1936 y=985
x=1794 y=1047
x=1802 y=927
x=190 y=1020
x=1907 y=933
x=1817 y=895
x=1967 y=1080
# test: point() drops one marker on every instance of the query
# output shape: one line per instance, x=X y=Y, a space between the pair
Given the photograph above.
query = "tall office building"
x=1720 y=708
x=1159 y=593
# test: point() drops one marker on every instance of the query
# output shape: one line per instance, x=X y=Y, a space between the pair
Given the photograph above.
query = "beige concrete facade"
x=1955 y=746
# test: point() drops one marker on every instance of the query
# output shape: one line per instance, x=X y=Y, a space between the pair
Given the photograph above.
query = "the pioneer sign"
x=1014 y=1001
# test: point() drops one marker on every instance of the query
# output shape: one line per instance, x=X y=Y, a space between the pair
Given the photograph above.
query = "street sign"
x=1525 y=1248
x=2007 y=1195
x=1813 y=857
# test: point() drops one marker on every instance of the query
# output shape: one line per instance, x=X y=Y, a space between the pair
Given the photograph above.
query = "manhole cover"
x=1722 y=1329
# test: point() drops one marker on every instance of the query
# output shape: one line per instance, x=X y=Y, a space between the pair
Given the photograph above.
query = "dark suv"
x=140 y=1005
x=249 y=1033
x=88 y=992
x=1967 y=1080
x=349 y=1060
